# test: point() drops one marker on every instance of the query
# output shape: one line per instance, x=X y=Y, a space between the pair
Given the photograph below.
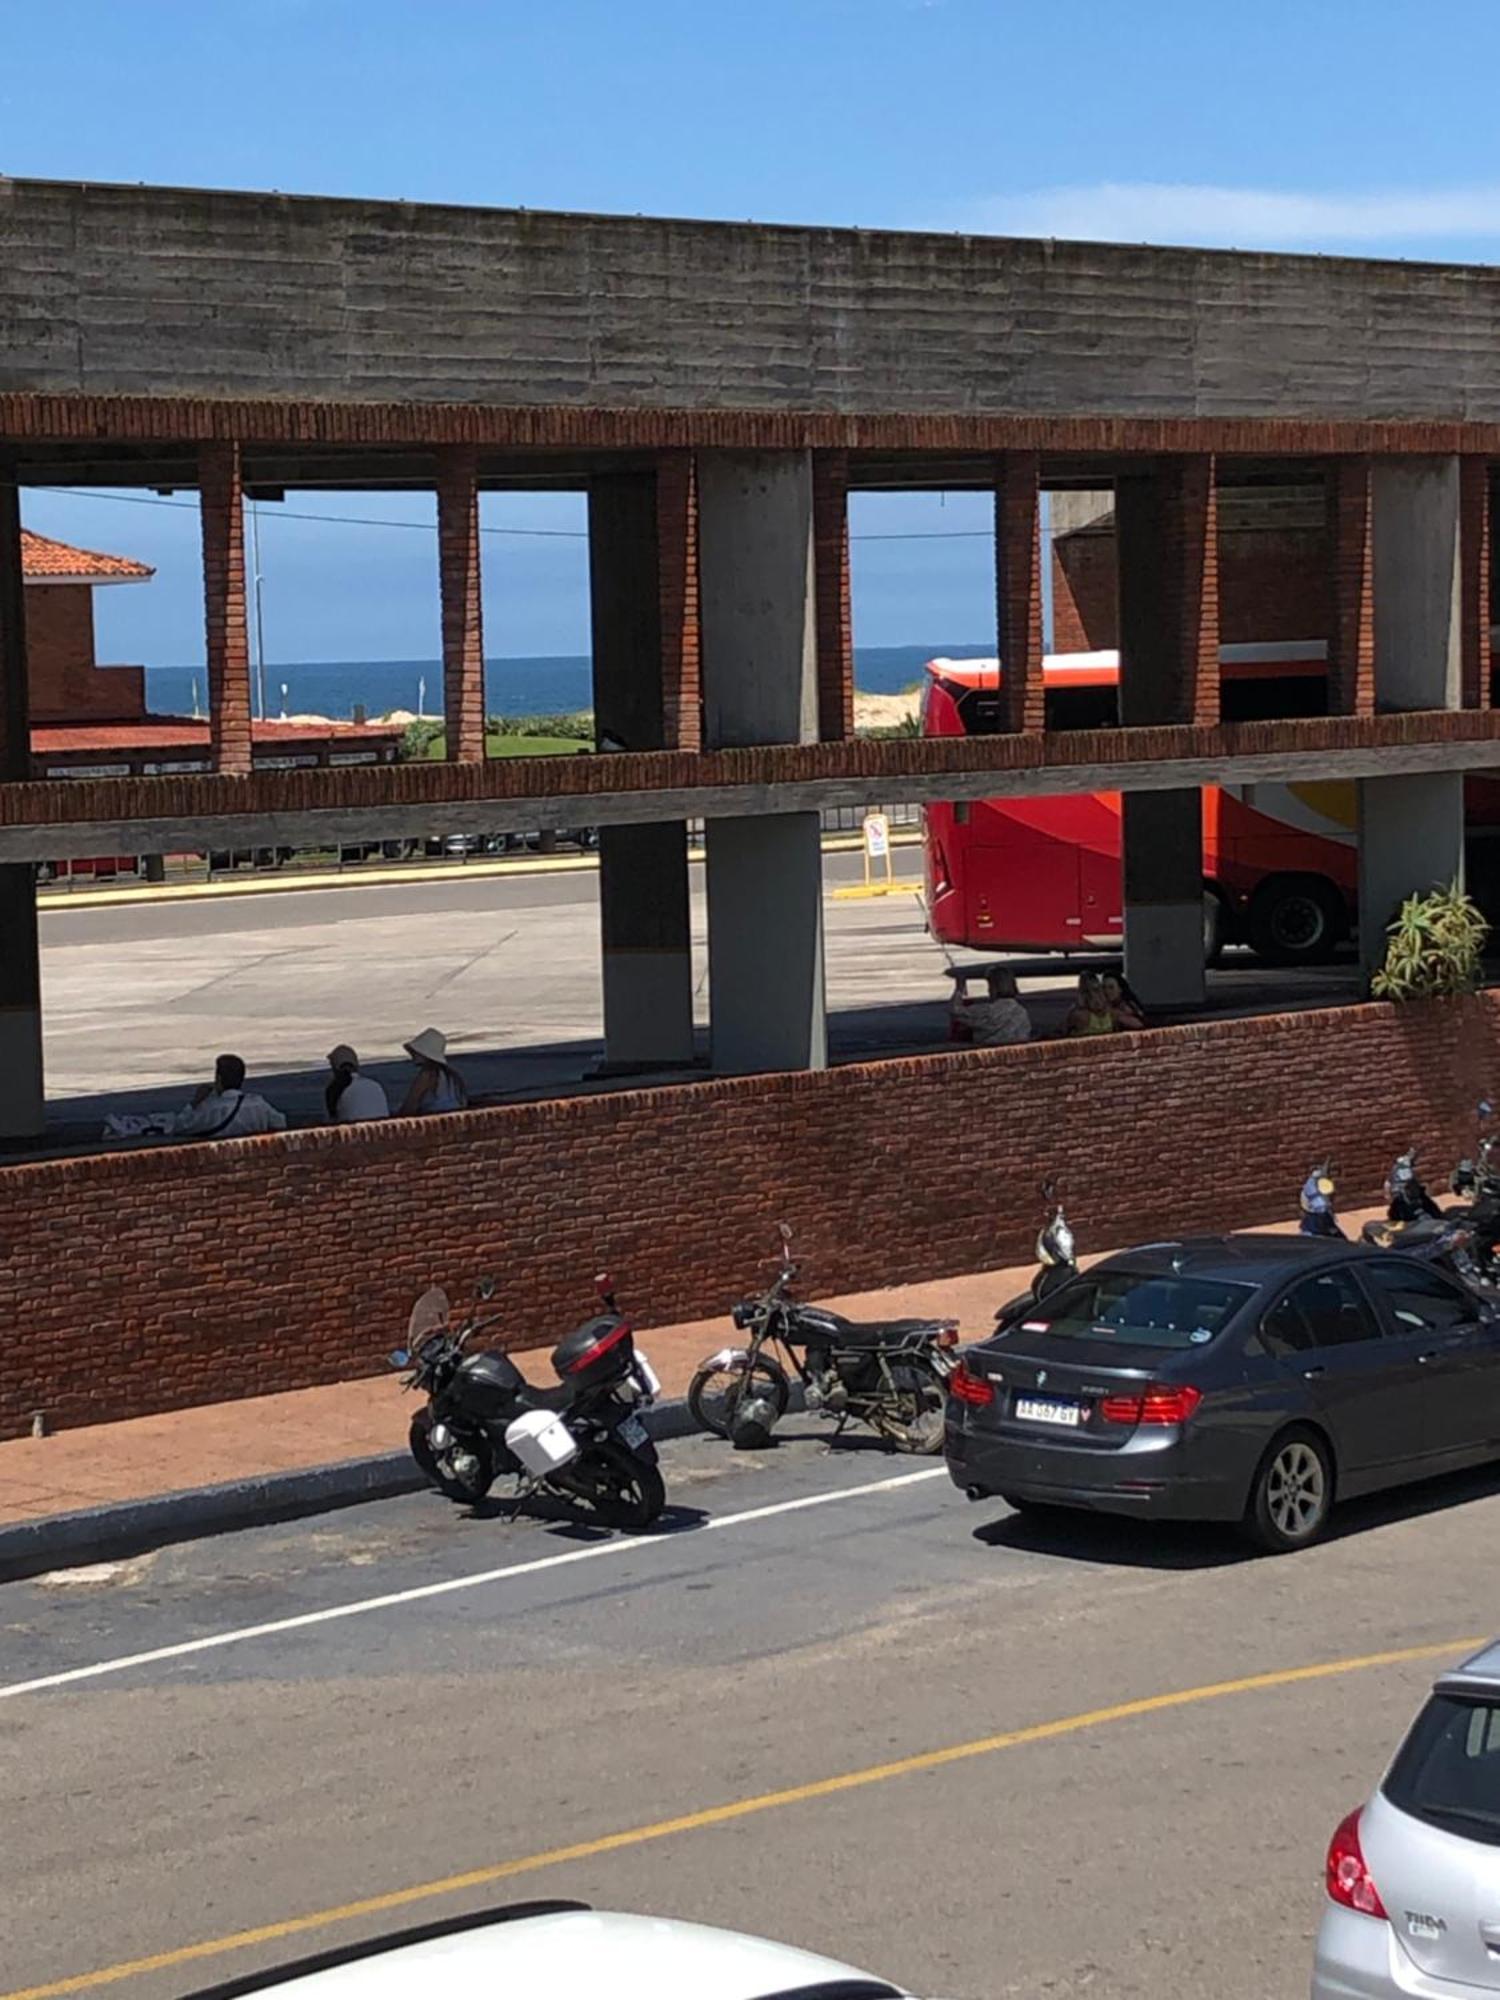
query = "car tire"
x=1215 y=927
x=1295 y=920
x=1291 y=1496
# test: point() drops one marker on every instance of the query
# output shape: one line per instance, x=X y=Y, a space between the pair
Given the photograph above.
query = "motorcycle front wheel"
x=715 y=1394
x=916 y=1417
x=621 y=1490
x=467 y=1490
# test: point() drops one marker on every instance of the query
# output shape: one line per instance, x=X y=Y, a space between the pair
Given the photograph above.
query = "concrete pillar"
x=1167 y=538
x=1411 y=828
x=640 y=657
x=1018 y=587
x=462 y=612
x=765 y=874
x=1351 y=623
x=22 y=1103
x=835 y=625
x=222 y=508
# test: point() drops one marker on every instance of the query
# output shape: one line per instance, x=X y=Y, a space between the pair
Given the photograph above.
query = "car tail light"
x=1348 y=1879
x=1152 y=1406
x=970 y=1388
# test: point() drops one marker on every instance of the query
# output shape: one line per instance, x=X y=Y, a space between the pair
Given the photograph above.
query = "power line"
x=283 y=513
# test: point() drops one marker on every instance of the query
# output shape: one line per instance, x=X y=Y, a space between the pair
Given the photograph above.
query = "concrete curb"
x=130 y=1527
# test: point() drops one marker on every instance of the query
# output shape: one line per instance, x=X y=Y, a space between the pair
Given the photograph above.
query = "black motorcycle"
x=889 y=1374
x=583 y=1439
x=1056 y=1261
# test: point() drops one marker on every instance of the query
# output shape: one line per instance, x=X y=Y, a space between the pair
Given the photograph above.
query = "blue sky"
x=1360 y=125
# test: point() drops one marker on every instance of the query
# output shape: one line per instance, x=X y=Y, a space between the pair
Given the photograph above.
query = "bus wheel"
x=1215 y=926
x=1295 y=919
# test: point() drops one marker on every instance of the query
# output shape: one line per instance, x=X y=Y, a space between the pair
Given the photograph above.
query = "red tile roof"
x=46 y=561
x=175 y=732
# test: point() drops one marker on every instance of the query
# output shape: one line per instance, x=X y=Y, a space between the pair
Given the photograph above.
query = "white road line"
x=595 y=1552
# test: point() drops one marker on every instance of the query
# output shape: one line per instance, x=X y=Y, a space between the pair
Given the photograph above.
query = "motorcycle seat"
x=816 y=1323
x=535 y=1397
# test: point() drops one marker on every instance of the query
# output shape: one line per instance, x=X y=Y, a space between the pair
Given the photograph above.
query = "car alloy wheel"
x=1294 y=1494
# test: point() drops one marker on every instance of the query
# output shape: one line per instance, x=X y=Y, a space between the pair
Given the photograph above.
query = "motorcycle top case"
x=542 y=1442
x=487 y=1384
x=597 y=1353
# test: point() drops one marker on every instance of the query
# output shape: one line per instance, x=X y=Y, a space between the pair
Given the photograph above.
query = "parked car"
x=1413 y=1877
x=1246 y=1378
x=568 y=1952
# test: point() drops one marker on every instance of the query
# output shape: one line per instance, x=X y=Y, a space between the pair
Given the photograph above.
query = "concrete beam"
x=765 y=944
x=23 y=1111
x=1414 y=506
x=757 y=607
x=1411 y=839
x=336 y=826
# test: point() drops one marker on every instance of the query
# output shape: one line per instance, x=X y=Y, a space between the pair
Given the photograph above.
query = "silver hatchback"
x=1413 y=1878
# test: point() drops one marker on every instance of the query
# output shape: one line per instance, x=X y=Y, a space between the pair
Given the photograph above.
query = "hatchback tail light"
x=1348 y=1879
x=966 y=1387
x=1152 y=1406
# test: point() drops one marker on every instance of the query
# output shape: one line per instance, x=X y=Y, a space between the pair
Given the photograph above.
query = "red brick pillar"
x=1167 y=538
x=463 y=620
x=1474 y=556
x=221 y=503
x=1193 y=525
x=1351 y=625
x=834 y=623
x=1018 y=587
x=677 y=599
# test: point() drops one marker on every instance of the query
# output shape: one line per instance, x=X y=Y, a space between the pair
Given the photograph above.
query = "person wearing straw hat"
x=351 y=1097
x=437 y=1085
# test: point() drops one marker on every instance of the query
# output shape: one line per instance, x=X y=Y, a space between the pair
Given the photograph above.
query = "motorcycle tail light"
x=948 y=1334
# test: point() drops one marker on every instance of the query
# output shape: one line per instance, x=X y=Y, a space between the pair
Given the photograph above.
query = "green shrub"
x=1434 y=948
x=417 y=743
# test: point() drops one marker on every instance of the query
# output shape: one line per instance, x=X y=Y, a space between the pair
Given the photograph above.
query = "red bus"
x=1045 y=874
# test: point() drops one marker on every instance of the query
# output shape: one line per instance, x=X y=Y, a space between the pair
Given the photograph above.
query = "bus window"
x=1082 y=707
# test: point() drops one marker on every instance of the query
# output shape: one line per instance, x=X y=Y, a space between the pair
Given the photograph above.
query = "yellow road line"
x=736 y=1809
x=457 y=871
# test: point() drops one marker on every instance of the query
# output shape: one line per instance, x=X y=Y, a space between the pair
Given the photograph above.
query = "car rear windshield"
x=1139 y=1309
x=1447 y=1772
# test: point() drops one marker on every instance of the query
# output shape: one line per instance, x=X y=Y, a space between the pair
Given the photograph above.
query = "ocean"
x=543 y=686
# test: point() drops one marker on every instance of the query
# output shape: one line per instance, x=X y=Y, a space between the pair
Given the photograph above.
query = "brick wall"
x=65 y=684
x=151 y=1280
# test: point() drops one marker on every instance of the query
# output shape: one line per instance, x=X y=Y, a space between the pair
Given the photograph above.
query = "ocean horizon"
x=558 y=684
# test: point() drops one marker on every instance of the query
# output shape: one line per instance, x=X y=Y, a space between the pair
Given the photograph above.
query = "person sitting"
x=352 y=1097
x=1127 y=1010
x=996 y=1021
x=224 y=1109
x=1090 y=1013
x=437 y=1085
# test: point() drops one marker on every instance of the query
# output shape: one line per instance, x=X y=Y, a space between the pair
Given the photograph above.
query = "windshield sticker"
x=1199 y=1335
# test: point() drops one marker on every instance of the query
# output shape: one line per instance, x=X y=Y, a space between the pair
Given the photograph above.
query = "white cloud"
x=1235 y=218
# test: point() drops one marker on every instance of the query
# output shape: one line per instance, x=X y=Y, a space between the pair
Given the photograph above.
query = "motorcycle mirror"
x=398 y=1357
x=485 y=1289
x=1484 y=1108
x=604 y=1284
x=784 y=1230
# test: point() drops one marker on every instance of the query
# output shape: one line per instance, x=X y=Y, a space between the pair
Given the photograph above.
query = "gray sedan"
x=1250 y=1379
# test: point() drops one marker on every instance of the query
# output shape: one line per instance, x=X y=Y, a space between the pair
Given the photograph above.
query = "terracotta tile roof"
x=175 y=732
x=46 y=561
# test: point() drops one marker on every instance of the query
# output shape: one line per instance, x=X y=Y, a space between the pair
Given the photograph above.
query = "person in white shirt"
x=997 y=1020
x=224 y=1109
x=351 y=1097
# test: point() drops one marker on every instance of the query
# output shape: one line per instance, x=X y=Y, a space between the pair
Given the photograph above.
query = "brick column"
x=677 y=599
x=22 y=1105
x=1474 y=550
x=1351 y=624
x=1018 y=587
x=221 y=502
x=463 y=621
x=835 y=627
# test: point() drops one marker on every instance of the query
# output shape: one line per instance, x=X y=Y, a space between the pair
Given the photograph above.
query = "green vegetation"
x=506 y=736
x=1434 y=948
x=909 y=725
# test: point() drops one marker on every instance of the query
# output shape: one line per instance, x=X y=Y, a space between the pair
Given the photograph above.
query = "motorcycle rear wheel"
x=715 y=1394
x=622 y=1490
x=917 y=1420
x=465 y=1491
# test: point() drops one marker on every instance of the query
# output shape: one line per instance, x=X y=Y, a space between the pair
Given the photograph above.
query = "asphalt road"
x=137 y=999
x=1052 y=1825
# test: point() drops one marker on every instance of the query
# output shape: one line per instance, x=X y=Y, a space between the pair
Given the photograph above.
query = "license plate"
x=633 y=1432
x=1048 y=1410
